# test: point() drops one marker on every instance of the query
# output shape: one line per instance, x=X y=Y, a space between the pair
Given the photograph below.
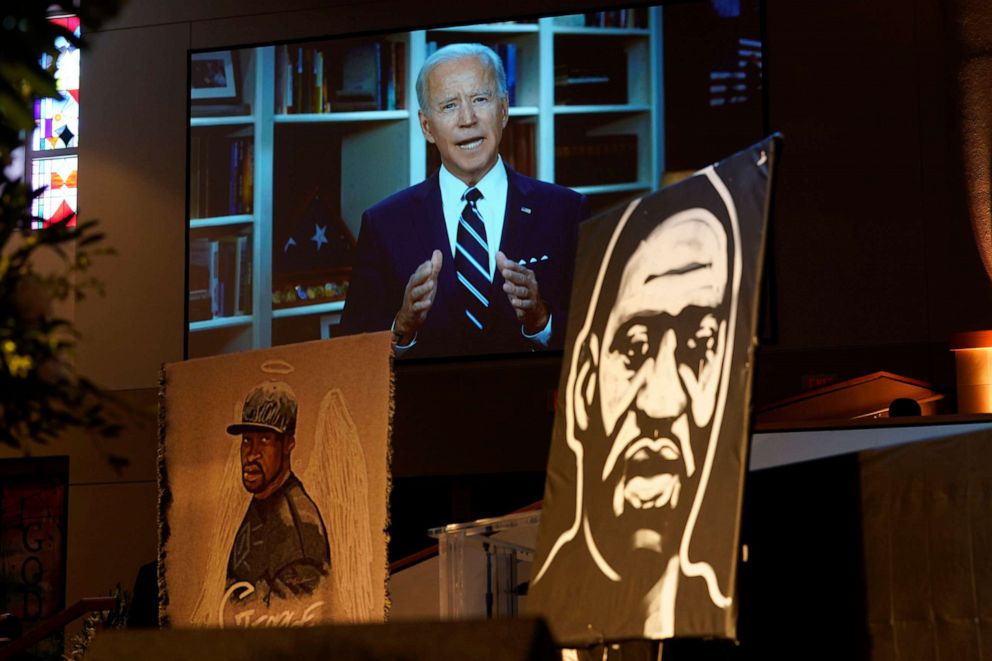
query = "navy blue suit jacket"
x=401 y=232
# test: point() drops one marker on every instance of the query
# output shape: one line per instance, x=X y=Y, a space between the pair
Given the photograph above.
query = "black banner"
x=640 y=532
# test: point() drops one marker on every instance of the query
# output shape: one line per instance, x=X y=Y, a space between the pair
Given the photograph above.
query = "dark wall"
x=874 y=262
x=873 y=259
x=802 y=587
x=880 y=555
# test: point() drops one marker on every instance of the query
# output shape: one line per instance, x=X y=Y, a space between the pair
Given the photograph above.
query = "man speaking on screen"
x=478 y=258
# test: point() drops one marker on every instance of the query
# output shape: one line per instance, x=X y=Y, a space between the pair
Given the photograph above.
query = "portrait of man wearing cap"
x=281 y=546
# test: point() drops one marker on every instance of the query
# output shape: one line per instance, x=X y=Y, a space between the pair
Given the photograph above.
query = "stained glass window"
x=57 y=120
x=59 y=200
x=52 y=159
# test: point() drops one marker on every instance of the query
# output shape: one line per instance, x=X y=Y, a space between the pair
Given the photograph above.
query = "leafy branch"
x=41 y=395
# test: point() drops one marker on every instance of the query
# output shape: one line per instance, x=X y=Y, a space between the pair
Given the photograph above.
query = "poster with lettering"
x=33 y=514
x=273 y=478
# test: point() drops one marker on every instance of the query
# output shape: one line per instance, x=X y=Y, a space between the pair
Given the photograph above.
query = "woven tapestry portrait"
x=273 y=485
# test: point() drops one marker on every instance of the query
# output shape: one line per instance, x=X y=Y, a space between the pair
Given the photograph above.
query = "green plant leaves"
x=43 y=395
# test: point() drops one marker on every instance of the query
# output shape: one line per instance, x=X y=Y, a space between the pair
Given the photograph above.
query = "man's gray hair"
x=486 y=55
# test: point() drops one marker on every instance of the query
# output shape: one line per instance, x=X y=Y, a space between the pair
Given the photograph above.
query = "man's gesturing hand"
x=521 y=289
x=417 y=299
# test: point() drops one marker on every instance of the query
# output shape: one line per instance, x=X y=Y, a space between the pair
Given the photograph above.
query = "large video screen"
x=330 y=193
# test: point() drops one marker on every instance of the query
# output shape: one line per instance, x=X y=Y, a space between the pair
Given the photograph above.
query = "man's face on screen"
x=659 y=369
x=465 y=117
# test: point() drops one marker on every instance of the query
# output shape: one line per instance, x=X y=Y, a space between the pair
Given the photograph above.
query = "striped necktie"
x=472 y=262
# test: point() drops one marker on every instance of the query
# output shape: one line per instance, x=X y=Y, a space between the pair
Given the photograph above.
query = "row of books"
x=222 y=175
x=596 y=159
x=339 y=77
x=616 y=18
x=508 y=53
x=220 y=272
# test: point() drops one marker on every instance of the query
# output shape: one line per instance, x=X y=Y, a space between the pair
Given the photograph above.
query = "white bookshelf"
x=221 y=322
x=220 y=221
x=357 y=140
x=233 y=120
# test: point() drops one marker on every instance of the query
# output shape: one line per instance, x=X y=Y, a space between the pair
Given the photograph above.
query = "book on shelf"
x=239 y=199
x=584 y=160
x=242 y=303
x=284 y=80
x=227 y=273
x=508 y=53
x=396 y=78
x=200 y=299
x=199 y=305
x=216 y=286
x=617 y=18
x=246 y=200
x=235 y=181
x=195 y=196
x=220 y=272
x=221 y=174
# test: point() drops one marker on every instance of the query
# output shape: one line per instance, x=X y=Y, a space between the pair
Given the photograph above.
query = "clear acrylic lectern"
x=484 y=565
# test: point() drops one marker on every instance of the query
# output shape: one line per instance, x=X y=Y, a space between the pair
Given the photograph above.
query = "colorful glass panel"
x=58 y=177
x=57 y=120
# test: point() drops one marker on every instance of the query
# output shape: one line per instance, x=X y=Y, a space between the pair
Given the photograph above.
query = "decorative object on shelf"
x=261 y=447
x=973 y=368
x=214 y=76
x=313 y=255
x=866 y=397
x=640 y=530
x=43 y=395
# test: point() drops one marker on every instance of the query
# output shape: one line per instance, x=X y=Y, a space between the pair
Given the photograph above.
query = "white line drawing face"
x=653 y=380
x=659 y=367
x=645 y=398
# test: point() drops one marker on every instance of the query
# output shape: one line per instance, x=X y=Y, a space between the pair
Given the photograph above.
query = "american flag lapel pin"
x=525 y=209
